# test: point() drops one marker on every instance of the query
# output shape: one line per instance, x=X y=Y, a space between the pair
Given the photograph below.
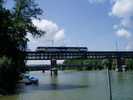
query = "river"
x=77 y=85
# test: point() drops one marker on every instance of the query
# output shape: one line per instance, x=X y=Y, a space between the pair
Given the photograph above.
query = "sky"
x=100 y=25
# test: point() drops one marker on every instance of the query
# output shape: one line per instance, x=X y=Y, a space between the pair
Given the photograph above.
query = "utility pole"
x=117 y=49
x=52 y=41
x=109 y=84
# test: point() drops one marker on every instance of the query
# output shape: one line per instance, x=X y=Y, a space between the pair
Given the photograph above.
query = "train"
x=62 y=49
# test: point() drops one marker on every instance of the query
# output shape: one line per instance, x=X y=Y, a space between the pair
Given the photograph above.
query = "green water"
x=72 y=85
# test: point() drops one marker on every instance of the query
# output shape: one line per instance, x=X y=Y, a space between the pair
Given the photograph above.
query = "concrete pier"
x=120 y=63
x=54 y=70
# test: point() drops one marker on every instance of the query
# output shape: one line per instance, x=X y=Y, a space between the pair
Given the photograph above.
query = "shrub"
x=8 y=75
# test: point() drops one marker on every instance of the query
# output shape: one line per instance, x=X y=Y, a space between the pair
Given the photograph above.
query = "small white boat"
x=28 y=80
x=33 y=80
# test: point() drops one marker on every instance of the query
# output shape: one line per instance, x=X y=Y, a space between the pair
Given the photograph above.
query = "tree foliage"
x=93 y=63
x=130 y=64
x=15 y=24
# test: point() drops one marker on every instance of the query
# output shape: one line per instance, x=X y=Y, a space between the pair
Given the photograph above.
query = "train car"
x=62 y=49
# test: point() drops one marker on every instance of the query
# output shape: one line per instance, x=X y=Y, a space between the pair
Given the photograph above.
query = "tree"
x=107 y=63
x=15 y=24
x=93 y=63
x=130 y=64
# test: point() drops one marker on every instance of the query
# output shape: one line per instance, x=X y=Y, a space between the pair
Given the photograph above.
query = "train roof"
x=61 y=47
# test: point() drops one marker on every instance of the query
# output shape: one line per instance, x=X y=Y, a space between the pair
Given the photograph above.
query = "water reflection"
x=54 y=83
x=14 y=97
x=52 y=87
x=84 y=85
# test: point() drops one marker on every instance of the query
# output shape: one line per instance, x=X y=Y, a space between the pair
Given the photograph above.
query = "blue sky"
x=85 y=24
x=97 y=24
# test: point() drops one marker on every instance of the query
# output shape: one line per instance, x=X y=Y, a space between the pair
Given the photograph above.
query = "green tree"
x=130 y=64
x=15 y=24
x=93 y=63
x=107 y=63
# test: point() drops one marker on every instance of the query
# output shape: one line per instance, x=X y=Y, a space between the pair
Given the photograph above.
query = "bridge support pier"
x=54 y=70
x=119 y=64
x=43 y=71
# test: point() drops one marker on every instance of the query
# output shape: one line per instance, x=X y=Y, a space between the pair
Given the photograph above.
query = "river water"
x=81 y=85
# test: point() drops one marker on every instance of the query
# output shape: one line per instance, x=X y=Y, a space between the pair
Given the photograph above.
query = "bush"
x=8 y=75
x=130 y=64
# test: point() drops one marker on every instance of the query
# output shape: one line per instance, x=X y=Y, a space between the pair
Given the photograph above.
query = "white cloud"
x=59 y=35
x=96 y=1
x=53 y=34
x=126 y=22
x=115 y=26
x=123 y=9
x=123 y=33
x=112 y=1
x=129 y=46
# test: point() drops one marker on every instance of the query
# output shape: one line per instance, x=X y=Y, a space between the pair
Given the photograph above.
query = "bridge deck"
x=34 y=55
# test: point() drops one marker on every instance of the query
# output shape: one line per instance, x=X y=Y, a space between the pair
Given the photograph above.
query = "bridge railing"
x=54 y=55
x=33 y=55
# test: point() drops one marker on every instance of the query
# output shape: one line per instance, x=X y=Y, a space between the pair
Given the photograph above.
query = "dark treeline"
x=94 y=64
x=86 y=64
x=15 y=24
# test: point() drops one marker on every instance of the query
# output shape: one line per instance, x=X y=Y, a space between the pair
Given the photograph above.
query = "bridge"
x=62 y=53
x=35 y=55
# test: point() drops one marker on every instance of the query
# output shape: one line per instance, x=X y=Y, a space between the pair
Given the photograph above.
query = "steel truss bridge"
x=34 y=55
x=58 y=53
